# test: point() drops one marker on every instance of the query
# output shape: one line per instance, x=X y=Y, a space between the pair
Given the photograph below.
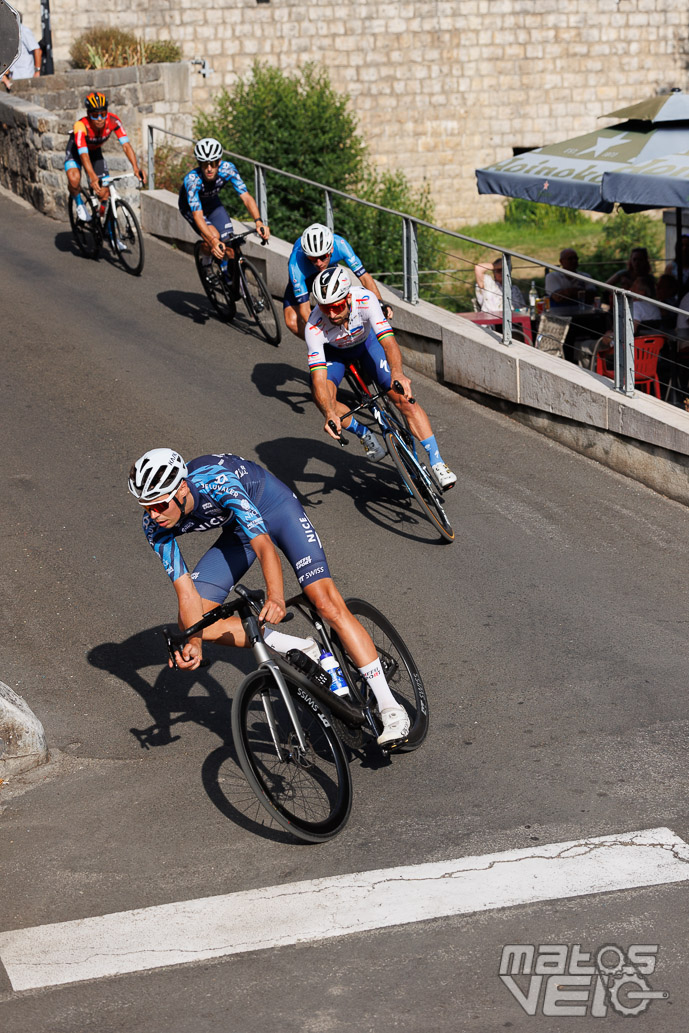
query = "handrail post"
x=623 y=340
x=506 y=299
x=329 y=217
x=151 y=158
x=411 y=262
x=260 y=192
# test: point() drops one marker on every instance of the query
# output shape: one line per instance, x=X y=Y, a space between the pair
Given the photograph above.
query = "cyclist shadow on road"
x=270 y=377
x=171 y=699
x=190 y=304
x=374 y=488
x=64 y=242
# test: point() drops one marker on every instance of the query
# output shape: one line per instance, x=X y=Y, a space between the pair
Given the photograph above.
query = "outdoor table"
x=491 y=319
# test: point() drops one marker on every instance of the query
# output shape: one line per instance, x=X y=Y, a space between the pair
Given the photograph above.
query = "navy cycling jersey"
x=302 y=272
x=198 y=195
x=226 y=490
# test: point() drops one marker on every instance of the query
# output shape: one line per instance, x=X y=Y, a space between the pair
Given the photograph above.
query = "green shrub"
x=105 y=47
x=532 y=213
x=170 y=166
x=300 y=124
x=621 y=232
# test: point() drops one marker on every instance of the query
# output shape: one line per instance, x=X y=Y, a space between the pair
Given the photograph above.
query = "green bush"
x=532 y=213
x=105 y=47
x=621 y=232
x=300 y=124
x=170 y=166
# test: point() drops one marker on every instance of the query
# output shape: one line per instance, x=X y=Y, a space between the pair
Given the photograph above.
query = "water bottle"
x=329 y=663
x=533 y=299
x=313 y=671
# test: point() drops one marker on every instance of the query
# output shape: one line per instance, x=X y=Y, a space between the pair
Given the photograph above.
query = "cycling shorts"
x=231 y=555
x=370 y=355
x=73 y=159
x=289 y=298
x=218 y=217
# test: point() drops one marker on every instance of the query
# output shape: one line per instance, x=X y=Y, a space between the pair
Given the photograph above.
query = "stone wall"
x=37 y=117
x=441 y=86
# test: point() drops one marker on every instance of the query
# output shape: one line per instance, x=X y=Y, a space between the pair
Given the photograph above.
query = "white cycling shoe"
x=445 y=477
x=83 y=213
x=395 y=725
x=372 y=447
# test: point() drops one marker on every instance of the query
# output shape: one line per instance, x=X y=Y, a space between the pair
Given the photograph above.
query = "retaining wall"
x=440 y=87
x=38 y=115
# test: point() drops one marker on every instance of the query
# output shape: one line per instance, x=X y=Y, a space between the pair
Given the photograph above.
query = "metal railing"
x=623 y=323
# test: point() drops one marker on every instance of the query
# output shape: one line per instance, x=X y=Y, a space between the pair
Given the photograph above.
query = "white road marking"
x=214 y=927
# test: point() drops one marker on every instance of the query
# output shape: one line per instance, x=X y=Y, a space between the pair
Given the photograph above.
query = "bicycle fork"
x=266 y=663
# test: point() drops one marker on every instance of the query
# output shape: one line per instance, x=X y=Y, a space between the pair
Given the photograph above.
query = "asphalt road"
x=552 y=637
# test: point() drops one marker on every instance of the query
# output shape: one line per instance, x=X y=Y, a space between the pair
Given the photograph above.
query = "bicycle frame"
x=273 y=663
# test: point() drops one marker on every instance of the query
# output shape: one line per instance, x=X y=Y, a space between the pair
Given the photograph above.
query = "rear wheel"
x=258 y=301
x=217 y=289
x=87 y=234
x=421 y=485
x=128 y=241
x=309 y=792
x=398 y=665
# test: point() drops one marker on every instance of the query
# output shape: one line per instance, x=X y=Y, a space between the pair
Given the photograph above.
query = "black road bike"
x=239 y=279
x=292 y=733
x=418 y=479
x=116 y=224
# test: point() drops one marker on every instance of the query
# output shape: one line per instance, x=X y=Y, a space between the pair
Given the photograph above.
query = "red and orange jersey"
x=89 y=138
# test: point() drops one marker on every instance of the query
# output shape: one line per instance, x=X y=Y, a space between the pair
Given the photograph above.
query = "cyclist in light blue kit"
x=254 y=512
x=317 y=248
x=200 y=204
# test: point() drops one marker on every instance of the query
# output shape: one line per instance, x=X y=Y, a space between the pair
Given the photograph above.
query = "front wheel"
x=127 y=239
x=420 y=485
x=400 y=670
x=308 y=792
x=87 y=235
x=258 y=301
x=215 y=285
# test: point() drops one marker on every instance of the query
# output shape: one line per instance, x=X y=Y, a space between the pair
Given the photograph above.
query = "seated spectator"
x=666 y=291
x=564 y=290
x=672 y=267
x=680 y=359
x=647 y=316
x=489 y=288
x=637 y=265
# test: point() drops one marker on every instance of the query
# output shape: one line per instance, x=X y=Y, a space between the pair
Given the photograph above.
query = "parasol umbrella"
x=570 y=174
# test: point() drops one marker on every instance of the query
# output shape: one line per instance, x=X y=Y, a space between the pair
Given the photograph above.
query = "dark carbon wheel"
x=400 y=670
x=87 y=234
x=129 y=243
x=258 y=301
x=309 y=792
x=216 y=287
x=420 y=485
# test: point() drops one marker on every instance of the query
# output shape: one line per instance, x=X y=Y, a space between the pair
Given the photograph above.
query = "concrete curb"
x=22 y=739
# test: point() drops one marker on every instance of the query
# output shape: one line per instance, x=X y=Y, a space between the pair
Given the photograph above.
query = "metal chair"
x=552 y=331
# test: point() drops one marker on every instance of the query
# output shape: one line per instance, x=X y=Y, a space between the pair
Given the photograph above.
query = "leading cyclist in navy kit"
x=254 y=512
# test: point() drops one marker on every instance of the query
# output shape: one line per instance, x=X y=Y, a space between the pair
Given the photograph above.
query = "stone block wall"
x=441 y=87
x=37 y=117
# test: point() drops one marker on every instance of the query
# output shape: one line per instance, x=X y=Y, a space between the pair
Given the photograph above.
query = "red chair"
x=646 y=352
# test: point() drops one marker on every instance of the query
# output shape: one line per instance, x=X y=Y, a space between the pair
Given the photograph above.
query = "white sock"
x=378 y=684
x=283 y=643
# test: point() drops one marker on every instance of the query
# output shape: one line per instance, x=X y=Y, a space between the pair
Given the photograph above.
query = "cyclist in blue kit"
x=200 y=204
x=254 y=512
x=317 y=248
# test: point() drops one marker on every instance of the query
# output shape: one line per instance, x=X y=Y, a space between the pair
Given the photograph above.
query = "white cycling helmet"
x=208 y=149
x=157 y=475
x=332 y=285
x=316 y=240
